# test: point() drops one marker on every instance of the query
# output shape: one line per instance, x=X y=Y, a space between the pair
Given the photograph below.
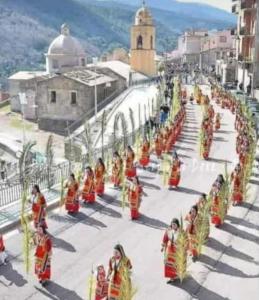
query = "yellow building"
x=143 y=36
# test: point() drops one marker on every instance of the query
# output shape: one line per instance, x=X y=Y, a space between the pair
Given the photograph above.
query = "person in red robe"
x=175 y=175
x=99 y=177
x=237 y=185
x=119 y=265
x=191 y=229
x=130 y=170
x=72 y=200
x=3 y=255
x=217 y=122
x=43 y=254
x=134 y=198
x=145 y=153
x=88 y=192
x=169 y=249
x=39 y=207
x=101 y=290
x=117 y=170
x=215 y=207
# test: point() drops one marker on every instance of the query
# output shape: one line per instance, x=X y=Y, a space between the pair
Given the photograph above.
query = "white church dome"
x=65 y=53
x=65 y=44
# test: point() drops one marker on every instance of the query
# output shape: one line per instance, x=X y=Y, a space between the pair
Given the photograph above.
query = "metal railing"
x=10 y=193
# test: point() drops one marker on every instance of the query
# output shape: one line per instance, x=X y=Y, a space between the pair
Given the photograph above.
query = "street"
x=228 y=268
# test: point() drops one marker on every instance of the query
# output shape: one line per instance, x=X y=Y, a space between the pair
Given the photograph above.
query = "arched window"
x=139 y=42
x=151 y=42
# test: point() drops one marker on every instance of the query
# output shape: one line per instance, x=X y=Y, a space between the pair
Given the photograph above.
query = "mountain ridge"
x=99 y=25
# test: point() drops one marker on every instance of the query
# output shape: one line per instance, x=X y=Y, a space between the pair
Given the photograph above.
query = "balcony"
x=246 y=31
x=248 y=5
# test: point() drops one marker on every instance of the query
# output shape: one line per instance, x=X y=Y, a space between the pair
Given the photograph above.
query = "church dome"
x=65 y=44
x=143 y=16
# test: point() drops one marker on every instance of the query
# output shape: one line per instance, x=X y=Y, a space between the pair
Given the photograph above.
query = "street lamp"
x=95 y=61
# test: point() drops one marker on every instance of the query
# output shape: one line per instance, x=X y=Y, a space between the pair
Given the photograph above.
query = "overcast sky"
x=224 y=4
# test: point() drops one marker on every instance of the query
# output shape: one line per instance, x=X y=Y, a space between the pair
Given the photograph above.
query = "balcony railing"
x=246 y=31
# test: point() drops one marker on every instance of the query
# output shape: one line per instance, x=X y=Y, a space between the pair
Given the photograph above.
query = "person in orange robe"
x=99 y=177
x=217 y=124
x=43 y=254
x=130 y=170
x=117 y=264
x=169 y=249
x=158 y=145
x=101 y=290
x=3 y=255
x=191 y=229
x=39 y=206
x=134 y=198
x=236 y=182
x=117 y=170
x=215 y=193
x=175 y=175
x=71 y=200
x=206 y=146
x=145 y=155
x=88 y=192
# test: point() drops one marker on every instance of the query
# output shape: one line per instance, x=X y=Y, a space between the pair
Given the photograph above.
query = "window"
x=83 y=62
x=139 y=42
x=151 y=42
x=223 y=39
x=73 y=98
x=53 y=97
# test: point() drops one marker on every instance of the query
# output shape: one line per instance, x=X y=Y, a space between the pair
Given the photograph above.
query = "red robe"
x=39 y=210
x=71 y=200
x=170 y=249
x=42 y=257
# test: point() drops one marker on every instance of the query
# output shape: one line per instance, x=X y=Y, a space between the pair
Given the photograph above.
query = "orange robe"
x=237 y=190
x=134 y=198
x=158 y=146
x=99 y=179
x=117 y=170
x=115 y=272
x=101 y=290
x=175 y=176
x=144 y=160
x=71 y=200
x=130 y=170
x=42 y=257
x=39 y=210
x=170 y=250
x=217 y=125
x=88 y=193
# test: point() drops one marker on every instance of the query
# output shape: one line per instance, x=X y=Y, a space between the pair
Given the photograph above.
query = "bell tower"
x=143 y=37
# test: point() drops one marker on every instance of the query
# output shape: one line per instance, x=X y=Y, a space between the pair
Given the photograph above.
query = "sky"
x=223 y=4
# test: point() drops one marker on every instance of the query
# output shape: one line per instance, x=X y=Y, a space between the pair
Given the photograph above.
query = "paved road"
x=229 y=268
